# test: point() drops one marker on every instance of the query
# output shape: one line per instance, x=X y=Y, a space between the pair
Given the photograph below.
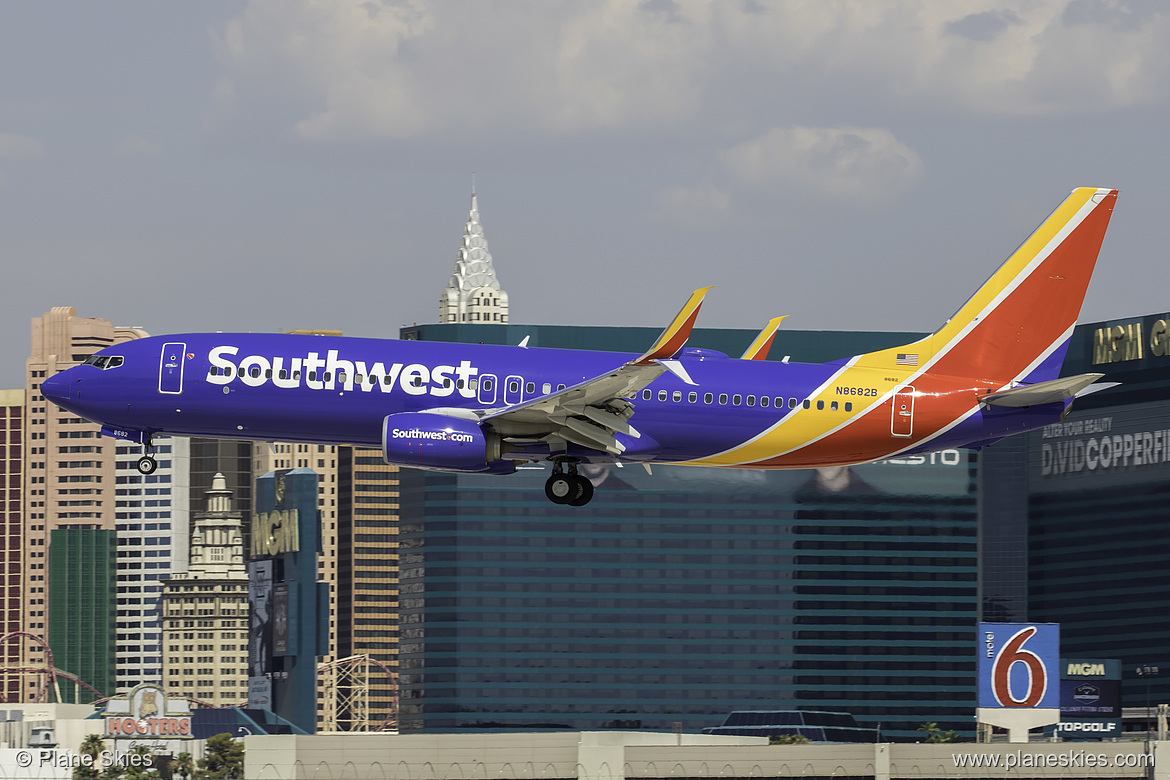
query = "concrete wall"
x=618 y=755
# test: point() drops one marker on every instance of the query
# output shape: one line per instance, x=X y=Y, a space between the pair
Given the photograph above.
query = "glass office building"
x=677 y=597
x=1095 y=492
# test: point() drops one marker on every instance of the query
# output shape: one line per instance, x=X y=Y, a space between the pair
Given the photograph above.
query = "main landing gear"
x=147 y=464
x=571 y=488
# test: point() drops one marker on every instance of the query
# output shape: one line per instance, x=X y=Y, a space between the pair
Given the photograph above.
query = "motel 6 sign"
x=1019 y=665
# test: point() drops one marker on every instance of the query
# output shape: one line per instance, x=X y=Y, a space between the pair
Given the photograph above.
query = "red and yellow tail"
x=1017 y=325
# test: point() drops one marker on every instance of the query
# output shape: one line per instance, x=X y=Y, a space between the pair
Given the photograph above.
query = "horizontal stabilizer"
x=1051 y=392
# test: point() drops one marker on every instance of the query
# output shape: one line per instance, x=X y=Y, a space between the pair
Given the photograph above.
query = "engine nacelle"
x=442 y=443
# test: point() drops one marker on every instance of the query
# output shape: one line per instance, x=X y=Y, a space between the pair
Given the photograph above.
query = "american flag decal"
x=906 y=360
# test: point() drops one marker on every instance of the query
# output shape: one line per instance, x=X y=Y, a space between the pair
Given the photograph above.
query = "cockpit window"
x=103 y=362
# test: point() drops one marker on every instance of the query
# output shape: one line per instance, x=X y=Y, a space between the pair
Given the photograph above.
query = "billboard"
x=1090 y=699
x=1019 y=665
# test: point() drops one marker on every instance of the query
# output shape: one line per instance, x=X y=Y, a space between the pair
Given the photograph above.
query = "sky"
x=265 y=165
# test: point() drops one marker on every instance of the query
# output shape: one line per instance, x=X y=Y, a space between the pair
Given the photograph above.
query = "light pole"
x=1148 y=672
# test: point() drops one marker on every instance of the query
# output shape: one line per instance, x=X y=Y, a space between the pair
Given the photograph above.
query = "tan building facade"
x=205 y=610
x=367 y=578
x=70 y=471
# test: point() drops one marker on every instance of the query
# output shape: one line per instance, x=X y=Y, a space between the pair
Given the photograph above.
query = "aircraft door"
x=170 y=369
x=902 y=423
x=487 y=389
x=513 y=390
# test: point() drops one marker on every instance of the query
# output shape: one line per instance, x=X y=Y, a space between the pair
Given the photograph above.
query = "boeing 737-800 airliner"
x=989 y=371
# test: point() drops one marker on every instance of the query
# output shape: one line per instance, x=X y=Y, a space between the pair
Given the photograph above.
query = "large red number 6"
x=1008 y=656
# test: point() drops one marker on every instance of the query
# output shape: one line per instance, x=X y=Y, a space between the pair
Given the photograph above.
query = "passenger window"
x=833 y=406
x=385 y=379
x=708 y=398
x=723 y=398
x=751 y=399
x=735 y=399
x=791 y=402
x=530 y=387
x=312 y=376
x=296 y=375
x=560 y=387
x=473 y=384
x=647 y=395
x=764 y=401
x=849 y=406
x=446 y=382
x=340 y=377
x=284 y=373
x=328 y=373
x=458 y=383
x=254 y=372
x=820 y=406
x=692 y=397
x=268 y=373
x=676 y=396
x=807 y=404
x=546 y=388
x=661 y=395
x=513 y=387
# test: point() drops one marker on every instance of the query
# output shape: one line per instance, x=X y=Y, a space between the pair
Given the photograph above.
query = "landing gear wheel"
x=147 y=465
x=561 y=488
x=586 y=491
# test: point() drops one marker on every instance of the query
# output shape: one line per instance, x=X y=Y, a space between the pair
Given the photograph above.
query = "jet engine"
x=428 y=440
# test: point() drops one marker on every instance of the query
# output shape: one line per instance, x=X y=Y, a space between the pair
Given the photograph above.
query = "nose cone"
x=56 y=388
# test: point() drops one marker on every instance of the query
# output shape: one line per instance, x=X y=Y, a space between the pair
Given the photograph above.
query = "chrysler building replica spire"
x=474 y=293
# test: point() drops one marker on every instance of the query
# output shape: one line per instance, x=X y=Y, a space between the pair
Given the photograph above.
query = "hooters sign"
x=147 y=713
x=1019 y=665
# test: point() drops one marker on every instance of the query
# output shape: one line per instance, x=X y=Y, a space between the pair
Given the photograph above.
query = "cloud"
x=851 y=163
x=20 y=147
x=985 y=26
x=366 y=69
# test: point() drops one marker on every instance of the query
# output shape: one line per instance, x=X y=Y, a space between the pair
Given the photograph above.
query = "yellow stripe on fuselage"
x=804 y=426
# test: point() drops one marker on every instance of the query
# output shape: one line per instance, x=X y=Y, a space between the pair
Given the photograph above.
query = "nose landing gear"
x=147 y=464
x=571 y=488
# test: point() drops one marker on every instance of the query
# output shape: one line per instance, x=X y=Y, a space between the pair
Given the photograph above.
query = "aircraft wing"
x=591 y=412
x=1053 y=391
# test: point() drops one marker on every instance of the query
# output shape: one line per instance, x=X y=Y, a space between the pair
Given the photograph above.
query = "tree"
x=184 y=766
x=91 y=746
x=935 y=734
x=789 y=739
x=223 y=758
x=142 y=766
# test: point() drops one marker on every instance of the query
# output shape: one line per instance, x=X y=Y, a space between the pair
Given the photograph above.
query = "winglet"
x=758 y=349
x=677 y=332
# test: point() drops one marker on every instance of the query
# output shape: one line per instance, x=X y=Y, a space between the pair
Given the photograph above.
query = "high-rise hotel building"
x=206 y=609
x=69 y=484
x=473 y=293
x=11 y=538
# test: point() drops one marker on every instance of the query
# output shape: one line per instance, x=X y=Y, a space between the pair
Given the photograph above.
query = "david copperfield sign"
x=1130 y=445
